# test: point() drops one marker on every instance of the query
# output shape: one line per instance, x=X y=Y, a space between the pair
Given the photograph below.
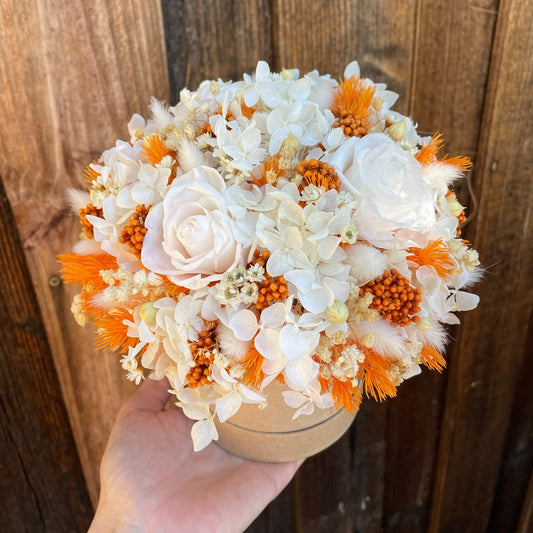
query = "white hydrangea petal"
x=267 y=344
x=244 y=324
x=301 y=371
x=195 y=411
x=293 y=398
x=203 y=433
x=466 y=301
x=228 y=405
x=296 y=343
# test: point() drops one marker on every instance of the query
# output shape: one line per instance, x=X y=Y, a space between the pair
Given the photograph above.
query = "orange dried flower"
x=394 y=298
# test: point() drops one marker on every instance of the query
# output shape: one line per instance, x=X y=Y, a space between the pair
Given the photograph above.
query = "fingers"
x=152 y=395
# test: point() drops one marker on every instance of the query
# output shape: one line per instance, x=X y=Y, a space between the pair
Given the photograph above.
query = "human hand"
x=153 y=481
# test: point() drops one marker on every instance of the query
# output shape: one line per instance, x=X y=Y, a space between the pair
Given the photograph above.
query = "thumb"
x=152 y=395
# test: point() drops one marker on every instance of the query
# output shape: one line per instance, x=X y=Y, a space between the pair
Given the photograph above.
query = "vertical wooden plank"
x=511 y=493
x=451 y=63
x=483 y=377
x=526 y=518
x=215 y=39
x=327 y=36
x=72 y=74
x=42 y=487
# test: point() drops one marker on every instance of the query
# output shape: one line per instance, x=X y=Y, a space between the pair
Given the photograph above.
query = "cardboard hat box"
x=271 y=435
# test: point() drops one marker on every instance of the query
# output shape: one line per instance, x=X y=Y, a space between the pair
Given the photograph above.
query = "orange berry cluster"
x=203 y=356
x=351 y=125
x=394 y=298
x=86 y=226
x=318 y=173
x=272 y=289
x=133 y=234
x=206 y=128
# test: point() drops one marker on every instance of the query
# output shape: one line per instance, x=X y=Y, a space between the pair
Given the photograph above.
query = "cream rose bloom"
x=190 y=237
x=389 y=181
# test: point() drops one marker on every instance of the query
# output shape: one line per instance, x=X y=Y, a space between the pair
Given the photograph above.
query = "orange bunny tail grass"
x=154 y=148
x=374 y=371
x=248 y=112
x=173 y=289
x=462 y=162
x=432 y=358
x=253 y=368
x=428 y=153
x=112 y=333
x=435 y=255
x=353 y=107
x=85 y=269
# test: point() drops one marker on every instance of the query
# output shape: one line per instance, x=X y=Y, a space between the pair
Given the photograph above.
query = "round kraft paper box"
x=271 y=435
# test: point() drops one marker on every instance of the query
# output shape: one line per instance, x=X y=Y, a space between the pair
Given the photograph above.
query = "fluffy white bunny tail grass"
x=189 y=155
x=366 y=262
x=381 y=336
x=428 y=332
x=87 y=247
x=77 y=199
x=440 y=175
x=230 y=346
x=160 y=113
x=474 y=276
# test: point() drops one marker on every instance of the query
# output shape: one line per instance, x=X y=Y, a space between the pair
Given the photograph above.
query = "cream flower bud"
x=368 y=340
x=397 y=131
x=455 y=207
x=147 y=312
x=424 y=324
x=337 y=313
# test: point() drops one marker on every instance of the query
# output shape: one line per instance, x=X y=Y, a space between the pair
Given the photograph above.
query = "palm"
x=150 y=469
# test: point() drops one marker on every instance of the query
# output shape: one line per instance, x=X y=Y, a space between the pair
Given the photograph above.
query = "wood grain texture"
x=483 y=375
x=42 y=487
x=72 y=75
x=511 y=497
x=452 y=46
x=211 y=39
x=328 y=35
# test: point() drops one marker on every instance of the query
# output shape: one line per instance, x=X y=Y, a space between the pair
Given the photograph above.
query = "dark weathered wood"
x=214 y=39
x=483 y=372
x=526 y=518
x=42 y=487
x=517 y=459
x=72 y=74
x=328 y=35
x=452 y=53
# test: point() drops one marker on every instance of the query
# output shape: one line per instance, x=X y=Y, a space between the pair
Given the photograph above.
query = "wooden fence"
x=454 y=452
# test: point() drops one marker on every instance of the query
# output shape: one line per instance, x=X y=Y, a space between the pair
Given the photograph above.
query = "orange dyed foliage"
x=436 y=255
x=90 y=174
x=173 y=289
x=112 y=333
x=271 y=165
x=253 y=368
x=247 y=111
x=85 y=269
x=354 y=97
x=345 y=395
x=374 y=373
x=428 y=154
x=432 y=358
x=154 y=148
